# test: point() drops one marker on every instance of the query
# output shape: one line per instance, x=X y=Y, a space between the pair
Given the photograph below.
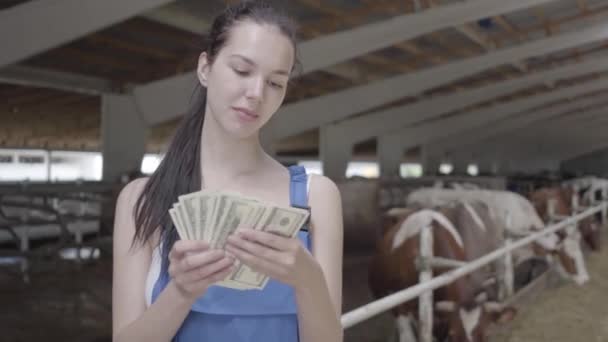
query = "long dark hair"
x=180 y=171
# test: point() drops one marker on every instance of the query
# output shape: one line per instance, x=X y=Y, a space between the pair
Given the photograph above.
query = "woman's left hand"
x=279 y=257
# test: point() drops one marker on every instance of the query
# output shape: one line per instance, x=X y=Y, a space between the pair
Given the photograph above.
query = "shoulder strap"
x=298 y=188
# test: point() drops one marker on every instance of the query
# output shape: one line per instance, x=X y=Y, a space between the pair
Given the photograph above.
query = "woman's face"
x=247 y=81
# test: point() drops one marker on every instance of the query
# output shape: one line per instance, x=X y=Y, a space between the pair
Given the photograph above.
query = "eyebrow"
x=249 y=61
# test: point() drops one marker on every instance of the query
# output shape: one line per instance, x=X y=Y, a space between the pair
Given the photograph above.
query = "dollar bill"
x=181 y=220
x=178 y=225
x=213 y=216
x=205 y=209
x=189 y=209
x=222 y=204
x=235 y=215
x=282 y=221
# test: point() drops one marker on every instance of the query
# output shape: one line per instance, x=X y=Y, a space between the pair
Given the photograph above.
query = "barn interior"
x=392 y=96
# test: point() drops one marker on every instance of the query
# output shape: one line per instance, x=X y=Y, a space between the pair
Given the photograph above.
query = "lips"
x=246 y=114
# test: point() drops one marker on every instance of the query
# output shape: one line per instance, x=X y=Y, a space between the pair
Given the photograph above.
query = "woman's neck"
x=225 y=157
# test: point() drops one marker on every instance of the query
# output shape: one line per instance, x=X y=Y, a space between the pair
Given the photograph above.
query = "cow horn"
x=445 y=306
x=493 y=306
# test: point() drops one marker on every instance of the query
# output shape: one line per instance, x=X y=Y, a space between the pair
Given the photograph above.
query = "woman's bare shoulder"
x=131 y=192
x=126 y=203
x=124 y=222
x=323 y=188
x=325 y=203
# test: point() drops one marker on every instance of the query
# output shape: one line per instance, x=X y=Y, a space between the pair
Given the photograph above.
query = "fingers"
x=197 y=260
x=253 y=248
x=211 y=271
x=191 y=255
x=271 y=240
x=221 y=275
x=204 y=274
x=183 y=247
x=269 y=267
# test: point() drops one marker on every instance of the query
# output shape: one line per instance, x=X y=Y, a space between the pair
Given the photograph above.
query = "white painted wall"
x=71 y=166
x=15 y=170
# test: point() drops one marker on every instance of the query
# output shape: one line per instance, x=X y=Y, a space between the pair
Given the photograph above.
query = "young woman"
x=163 y=287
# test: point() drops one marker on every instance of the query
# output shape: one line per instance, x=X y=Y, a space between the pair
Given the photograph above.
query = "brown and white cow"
x=460 y=316
x=515 y=215
x=562 y=197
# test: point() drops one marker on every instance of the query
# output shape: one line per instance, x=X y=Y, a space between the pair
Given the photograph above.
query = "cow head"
x=469 y=323
x=567 y=249
x=589 y=226
x=591 y=232
x=571 y=256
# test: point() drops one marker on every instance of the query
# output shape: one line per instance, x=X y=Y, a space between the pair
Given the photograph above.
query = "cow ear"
x=503 y=316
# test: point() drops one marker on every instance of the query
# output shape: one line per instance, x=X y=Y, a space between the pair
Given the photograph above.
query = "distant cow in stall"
x=595 y=191
x=594 y=183
x=461 y=314
x=514 y=214
x=590 y=189
x=562 y=196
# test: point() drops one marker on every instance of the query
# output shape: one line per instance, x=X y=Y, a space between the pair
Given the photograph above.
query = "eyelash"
x=246 y=73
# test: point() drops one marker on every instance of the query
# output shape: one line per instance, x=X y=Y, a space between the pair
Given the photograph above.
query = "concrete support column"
x=430 y=164
x=390 y=155
x=461 y=166
x=459 y=160
x=335 y=151
x=488 y=166
x=123 y=135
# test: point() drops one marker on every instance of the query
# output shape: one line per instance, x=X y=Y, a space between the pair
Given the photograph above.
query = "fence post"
x=604 y=212
x=425 y=304
x=575 y=204
x=551 y=210
x=507 y=282
x=604 y=208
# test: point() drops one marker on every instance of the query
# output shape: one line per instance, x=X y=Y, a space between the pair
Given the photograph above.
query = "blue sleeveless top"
x=224 y=314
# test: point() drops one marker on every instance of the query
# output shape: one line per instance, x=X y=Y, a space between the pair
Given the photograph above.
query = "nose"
x=581 y=279
x=255 y=88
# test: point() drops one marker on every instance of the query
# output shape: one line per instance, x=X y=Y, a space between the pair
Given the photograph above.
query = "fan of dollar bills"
x=212 y=216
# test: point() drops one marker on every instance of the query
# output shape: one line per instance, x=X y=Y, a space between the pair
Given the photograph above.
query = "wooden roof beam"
x=582 y=5
x=32 y=20
x=329 y=50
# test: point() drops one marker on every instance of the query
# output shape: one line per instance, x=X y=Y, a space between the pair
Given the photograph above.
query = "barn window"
x=150 y=163
x=410 y=170
x=31 y=159
x=473 y=169
x=312 y=166
x=446 y=169
x=6 y=158
x=363 y=169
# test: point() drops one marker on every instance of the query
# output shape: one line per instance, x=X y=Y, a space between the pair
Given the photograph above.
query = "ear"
x=503 y=316
x=202 y=69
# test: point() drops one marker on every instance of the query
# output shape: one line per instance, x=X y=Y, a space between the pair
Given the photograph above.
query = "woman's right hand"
x=194 y=266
